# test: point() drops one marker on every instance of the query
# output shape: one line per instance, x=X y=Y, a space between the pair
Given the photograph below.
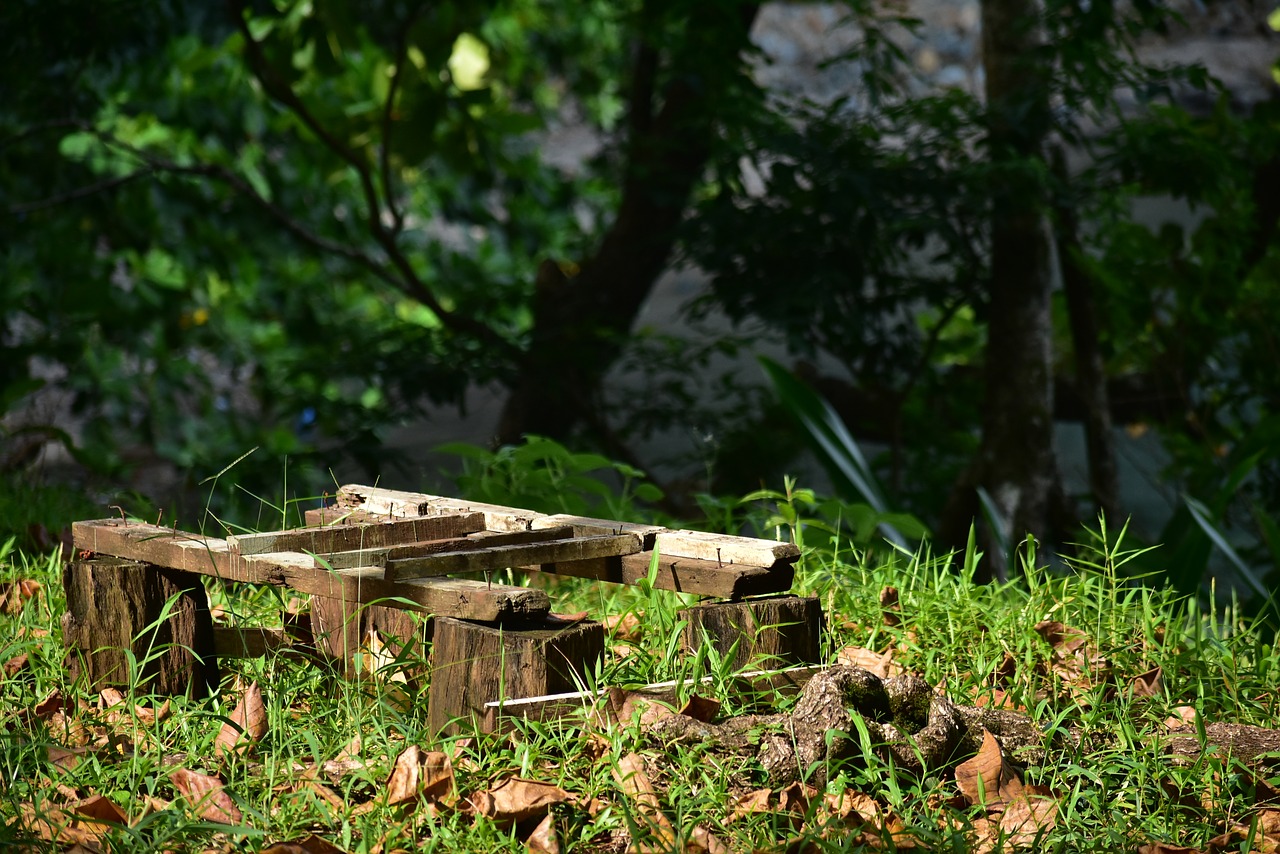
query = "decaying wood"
x=1252 y=745
x=502 y=557
x=770 y=632
x=115 y=607
x=475 y=663
x=907 y=721
x=684 y=575
x=464 y=598
x=725 y=549
x=479 y=540
x=341 y=629
x=584 y=526
x=339 y=538
x=392 y=504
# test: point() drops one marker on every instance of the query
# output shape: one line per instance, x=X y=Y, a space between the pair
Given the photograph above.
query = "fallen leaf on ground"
x=632 y=778
x=751 y=803
x=1147 y=684
x=891 y=613
x=1181 y=716
x=64 y=828
x=627 y=627
x=881 y=665
x=1166 y=848
x=544 y=839
x=417 y=774
x=700 y=708
x=1060 y=636
x=851 y=807
x=311 y=844
x=703 y=841
x=100 y=808
x=1028 y=817
x=516 y=799
x=207 y=795
x=247 y=725
x=986 y=778
x=16 y=665
x=15 y=594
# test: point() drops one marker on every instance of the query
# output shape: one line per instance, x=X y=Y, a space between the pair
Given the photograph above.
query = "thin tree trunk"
x=1091 y=376
x=1015 y=461
x=581 y=325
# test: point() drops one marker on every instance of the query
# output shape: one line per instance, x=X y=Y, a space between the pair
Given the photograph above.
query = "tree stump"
x=340 y=628
x=161 y=616
x=772 y=632
x=476 y=663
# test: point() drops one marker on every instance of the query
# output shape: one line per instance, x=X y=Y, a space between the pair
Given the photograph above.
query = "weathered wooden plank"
x=479 y=540
x=341 y=538
x=462 y=598
x=501 y=714
x=584 y=526
x=501 y=557
x=725 y=549
x=684 y=575
x=318 y=517
x=393 y=503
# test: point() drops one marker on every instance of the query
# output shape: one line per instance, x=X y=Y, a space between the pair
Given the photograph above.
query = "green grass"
x=1116 y=790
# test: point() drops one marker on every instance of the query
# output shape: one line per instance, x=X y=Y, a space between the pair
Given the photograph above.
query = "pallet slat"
x=480 y=540
x=341 y=538
x=682 y=575
x=462 y=598
x=501 y=557
x=393 y=504
x=724 y=549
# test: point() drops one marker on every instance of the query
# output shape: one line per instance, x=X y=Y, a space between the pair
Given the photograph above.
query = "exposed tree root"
x=903 y=718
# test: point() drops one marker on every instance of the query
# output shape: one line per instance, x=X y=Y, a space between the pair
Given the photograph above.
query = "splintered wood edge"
x=552 y=706
x=503 y=557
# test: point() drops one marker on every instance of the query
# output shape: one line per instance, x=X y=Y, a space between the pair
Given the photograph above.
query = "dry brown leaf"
x=544 y=839
x=1005 y=673
x=15 y=594
x=994 y=698
x=16 y=665
x=247 y=725
x=703 y=841
x=1147 y=684
x=1181 y=716
x=701 y=708
x=1028 y=817
x=516 y=800
x=417 y=774
x=623 y=706
x=751 y=803
x=1166 y=848
x=351 y=749
x=881 y=665
x=207 y=795
x=889 y=605
x=100 y=808
x=853 y=808
x=626 y=627
x=796 y=798
x=55 y=825
x=310 y=844
x=986 y=778
x=1060 y=636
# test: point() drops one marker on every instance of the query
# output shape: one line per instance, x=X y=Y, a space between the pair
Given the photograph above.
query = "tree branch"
x=72 y=195
x=388 y=109
x=409 y=282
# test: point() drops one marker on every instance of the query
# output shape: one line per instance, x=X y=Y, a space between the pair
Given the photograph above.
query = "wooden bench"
x=377 y=555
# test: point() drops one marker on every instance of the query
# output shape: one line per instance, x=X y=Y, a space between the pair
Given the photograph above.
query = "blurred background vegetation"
x=307 y=229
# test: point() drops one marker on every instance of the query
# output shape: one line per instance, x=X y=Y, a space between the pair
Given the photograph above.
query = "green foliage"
x=543 y=475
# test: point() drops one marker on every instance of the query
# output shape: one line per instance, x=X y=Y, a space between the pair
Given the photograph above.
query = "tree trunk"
x=1015 y=461
x=581 y=324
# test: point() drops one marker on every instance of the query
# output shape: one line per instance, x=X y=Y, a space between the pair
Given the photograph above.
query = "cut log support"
x=341 y=627
x=772 y=632
x=474 y=664
x=161 y=616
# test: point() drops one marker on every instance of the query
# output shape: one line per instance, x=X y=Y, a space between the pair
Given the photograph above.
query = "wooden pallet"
x=378 y=552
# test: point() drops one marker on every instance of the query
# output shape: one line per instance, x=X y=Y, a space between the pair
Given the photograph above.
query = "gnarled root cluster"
x=903 y=717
